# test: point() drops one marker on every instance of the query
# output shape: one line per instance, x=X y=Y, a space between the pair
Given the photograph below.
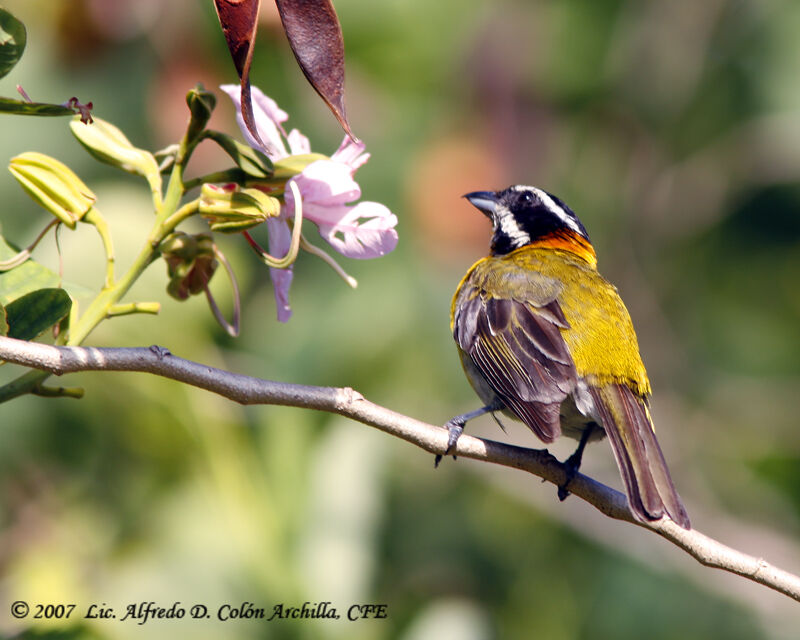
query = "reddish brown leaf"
x=315 y=36
x=239 y=21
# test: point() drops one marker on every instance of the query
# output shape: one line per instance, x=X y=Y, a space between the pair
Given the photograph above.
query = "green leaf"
x=251 y=161
x=12 y=41
x=35 y=312
x=3 y=321
x=23 y=279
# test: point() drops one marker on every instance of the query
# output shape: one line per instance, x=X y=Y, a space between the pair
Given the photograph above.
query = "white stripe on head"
x=551 y=205
x=509 y=227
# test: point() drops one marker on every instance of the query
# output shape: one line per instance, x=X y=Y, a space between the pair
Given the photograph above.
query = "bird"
x=545 y=339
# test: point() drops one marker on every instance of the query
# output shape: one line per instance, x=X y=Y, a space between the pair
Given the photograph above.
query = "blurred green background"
x=672 y=128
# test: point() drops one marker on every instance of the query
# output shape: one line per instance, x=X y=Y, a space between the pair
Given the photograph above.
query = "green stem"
x=167 y=216
x=94 y=218
x=98 y=309
x=155 y=183
x=57 y=392
x=186 y=211
x=133 y=307
x=164 y=225
x=22 y=385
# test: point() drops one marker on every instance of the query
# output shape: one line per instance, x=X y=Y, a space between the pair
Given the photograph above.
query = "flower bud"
x=108 y=144
x=190 y=263
x=201 y=105
x=53 y=185
x=232 y=208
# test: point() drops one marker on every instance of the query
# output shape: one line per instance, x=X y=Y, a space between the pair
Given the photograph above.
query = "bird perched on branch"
x=545 y=339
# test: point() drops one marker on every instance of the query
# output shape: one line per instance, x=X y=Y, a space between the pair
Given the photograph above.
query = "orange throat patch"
x=567 y=240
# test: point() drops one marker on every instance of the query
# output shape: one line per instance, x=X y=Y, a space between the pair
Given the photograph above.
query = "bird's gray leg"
x=455 y=427
x=573 y=463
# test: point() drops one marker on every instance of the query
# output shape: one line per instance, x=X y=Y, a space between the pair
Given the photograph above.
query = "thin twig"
x=232 y=328
x=431 y=438
x=316 y=251
x=95 y=218
x=18 y=259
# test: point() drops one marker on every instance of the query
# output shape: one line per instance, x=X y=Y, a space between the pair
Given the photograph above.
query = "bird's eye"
x=527 y=197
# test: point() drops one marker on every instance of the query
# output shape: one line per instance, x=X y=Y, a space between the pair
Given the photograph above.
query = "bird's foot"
x=571 y=466
x=455 y=429
x=573 y=463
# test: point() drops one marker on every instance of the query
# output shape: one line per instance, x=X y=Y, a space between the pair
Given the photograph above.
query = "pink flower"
x=280 y=237
x=327 y=188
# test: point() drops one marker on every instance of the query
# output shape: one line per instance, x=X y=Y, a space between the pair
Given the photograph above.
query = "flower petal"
x=268 y=116
x=351 y=153
x=298 y=143
x=270 y=108
x=280 y=238
x=326 y=183
x=366 y=230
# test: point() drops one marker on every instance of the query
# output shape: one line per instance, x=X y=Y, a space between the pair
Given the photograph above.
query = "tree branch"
x=347 y=402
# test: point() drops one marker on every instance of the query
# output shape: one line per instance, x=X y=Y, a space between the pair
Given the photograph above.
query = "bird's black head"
x=521 y=215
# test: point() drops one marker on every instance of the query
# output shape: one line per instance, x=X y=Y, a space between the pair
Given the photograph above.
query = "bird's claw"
x=455 y=429
x=571 y=466
x=573 y=463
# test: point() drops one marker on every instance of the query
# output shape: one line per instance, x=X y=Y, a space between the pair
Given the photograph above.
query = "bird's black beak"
x=485 y=201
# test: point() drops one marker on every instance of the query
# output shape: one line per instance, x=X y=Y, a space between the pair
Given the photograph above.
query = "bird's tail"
x=627 y=423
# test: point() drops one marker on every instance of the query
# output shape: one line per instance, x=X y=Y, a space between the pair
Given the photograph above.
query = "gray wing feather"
x=519 y=350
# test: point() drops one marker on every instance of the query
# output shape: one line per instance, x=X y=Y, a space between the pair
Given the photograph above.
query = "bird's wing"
x=519 y=349
x=627 y=423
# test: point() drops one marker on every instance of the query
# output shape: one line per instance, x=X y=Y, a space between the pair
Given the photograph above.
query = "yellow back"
x=600 y=338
